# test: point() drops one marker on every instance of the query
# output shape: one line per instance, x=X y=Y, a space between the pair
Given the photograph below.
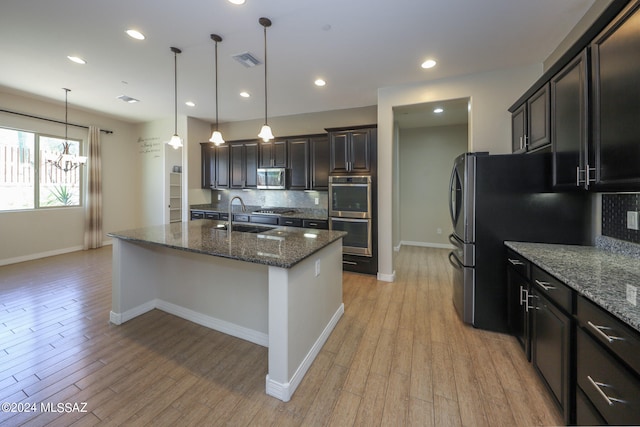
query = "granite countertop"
x=280 y=247
x=302 y=213
x=598 y=273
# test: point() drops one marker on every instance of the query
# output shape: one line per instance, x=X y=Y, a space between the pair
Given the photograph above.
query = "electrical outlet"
x=317 y=200
x=439 y=231
x=219 y=196
x=632 y=220
x=317 y=268
x=632 y=294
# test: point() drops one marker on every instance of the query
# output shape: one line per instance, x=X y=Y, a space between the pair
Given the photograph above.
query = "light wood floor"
x=399 y=356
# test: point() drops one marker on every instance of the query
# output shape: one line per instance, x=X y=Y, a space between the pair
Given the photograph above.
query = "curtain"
x=93 y=193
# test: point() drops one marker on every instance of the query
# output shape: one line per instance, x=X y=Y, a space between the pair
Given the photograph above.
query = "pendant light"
x=66 y=161
x=176 y=141
x=265 y=132
x=216 y=136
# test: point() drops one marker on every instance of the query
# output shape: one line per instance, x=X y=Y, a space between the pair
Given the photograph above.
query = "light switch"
x=317 y=268
x=632 y=220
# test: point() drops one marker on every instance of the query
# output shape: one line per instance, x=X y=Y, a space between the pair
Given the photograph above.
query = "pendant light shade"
x=216 y=136
x=176 y=141
x=265 y=133
x=66 y=161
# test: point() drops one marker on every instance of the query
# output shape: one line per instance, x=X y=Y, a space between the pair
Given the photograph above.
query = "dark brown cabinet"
x=273 y=154
x=215 y=166
x=244 y=164
x=351 y=151
x=572 y=165
x=530 y=123
x=518 y=289
x=616 y=101
x=309 y=163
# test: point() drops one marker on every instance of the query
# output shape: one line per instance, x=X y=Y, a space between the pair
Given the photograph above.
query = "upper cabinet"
x=569 y=125
x=587 y=106
x=215 y=165
x=616 y=101
x=530 y=123
x=244 y=164
x=351 y=150
x=309 y=163
x=273 y=154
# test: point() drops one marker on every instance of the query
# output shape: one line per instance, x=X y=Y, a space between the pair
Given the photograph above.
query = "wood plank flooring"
x=399 y=356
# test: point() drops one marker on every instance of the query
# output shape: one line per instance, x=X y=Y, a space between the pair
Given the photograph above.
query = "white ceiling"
x=358 y=46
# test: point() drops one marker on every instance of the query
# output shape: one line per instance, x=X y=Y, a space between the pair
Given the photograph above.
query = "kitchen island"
x=280 y=288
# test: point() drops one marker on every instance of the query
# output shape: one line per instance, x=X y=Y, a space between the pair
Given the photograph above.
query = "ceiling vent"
x=247 y=59
x=128 y=99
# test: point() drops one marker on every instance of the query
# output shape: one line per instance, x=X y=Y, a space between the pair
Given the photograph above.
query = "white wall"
x=31 y=234
x=426 y=156
x=491 y=95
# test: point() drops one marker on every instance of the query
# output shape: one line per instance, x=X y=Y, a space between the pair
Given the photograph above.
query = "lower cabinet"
x=586 y=357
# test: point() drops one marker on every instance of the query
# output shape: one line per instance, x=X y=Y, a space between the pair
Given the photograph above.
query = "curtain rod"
x=51 y=120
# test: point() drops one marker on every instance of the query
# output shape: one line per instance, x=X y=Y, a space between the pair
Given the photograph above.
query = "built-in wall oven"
x=350 y=211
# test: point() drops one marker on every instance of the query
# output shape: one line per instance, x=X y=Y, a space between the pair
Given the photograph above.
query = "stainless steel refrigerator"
x=494 y=198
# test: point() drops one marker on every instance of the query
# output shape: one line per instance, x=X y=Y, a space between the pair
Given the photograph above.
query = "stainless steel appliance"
x=350 y=211
x=494 y=198
x=272 y=178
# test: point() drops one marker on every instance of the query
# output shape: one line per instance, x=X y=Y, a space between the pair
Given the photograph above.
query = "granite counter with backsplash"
x=607 y=274
x=302 y=213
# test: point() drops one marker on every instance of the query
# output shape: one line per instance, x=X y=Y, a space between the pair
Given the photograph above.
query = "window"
x=28 y=177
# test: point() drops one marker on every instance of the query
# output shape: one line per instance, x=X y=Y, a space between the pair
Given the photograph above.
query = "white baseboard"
x=219 y=325
x=427 y=244
x=210 y=322
x=285 y=391
x=46 y=254
x=387 y=277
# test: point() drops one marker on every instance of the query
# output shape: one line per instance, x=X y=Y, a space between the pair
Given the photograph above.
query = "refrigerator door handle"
x=455 y=262
x=452 y=191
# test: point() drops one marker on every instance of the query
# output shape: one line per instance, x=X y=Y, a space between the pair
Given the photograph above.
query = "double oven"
x=350 y=210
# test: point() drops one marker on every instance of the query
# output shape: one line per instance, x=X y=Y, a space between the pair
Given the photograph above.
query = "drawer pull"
x=523 y=295
x=350 y=262
x=598 y=386
x=545 y=285
x=515 y=261
x=599 y=330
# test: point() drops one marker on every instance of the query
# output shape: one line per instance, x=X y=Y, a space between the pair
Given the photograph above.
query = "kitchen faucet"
x=244 y=209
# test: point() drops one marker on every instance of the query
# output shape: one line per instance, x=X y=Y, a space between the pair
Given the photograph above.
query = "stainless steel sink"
x=248 y=228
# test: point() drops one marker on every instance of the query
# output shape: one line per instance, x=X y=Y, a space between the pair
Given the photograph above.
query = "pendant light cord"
x=265 y=74
x=175 y=91
x=66 y=114
x=216 y=84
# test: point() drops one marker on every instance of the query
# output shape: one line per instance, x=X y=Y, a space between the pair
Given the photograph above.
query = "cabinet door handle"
x=545 y=285
x=526 y=141
x=528 y=307
x=598 y=386
x=577 y=176
x=588 y=171
x=523 y=292
x=515 y=261
x=599 y=330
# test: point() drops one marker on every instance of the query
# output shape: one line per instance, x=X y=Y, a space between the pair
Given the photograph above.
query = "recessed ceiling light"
x=190 y=104
x=429 y=63
x=77 y=59
x=320 y=82
x=245 y=94
x=134 y=34
x=237 y=1
x=438 y=110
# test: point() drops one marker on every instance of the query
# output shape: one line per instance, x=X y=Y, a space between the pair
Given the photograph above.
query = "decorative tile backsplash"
x=274 y=198
x=614 y=216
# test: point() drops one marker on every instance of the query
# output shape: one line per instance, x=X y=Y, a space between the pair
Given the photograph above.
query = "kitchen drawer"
x=211 y=215
x=586 y=414
x=519 y=263
x=552 y=288
x=264 y=219
x=240 y=217
x=610 y=332
x=610 y=386
x=314 y=223
x=223 y=217
x=197 y=214
x=291 y=222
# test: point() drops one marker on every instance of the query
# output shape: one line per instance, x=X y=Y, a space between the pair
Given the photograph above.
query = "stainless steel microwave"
x=272 y=178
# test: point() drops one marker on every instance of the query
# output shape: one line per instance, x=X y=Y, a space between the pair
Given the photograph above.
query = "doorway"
x=429 y=136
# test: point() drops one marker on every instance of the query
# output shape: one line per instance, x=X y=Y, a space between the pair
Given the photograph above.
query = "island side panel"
x=133 y=282
x=226 y=295
x=303 y=310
